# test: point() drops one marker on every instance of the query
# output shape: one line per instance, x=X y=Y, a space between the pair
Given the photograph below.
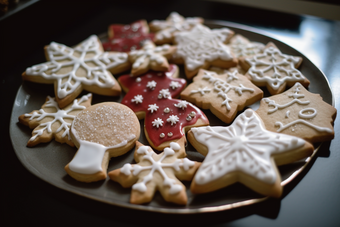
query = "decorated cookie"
x=300 y=113
x=274 y=69
x=166 y=119
x=150 y=57
x=241 y=46
x=203 y=47
x=224 y=94
x=157 y=172
x=86 y=67
x=102 y=131
x=165 y=30
x=244 y=152
x=52 y=122
x=125 y=38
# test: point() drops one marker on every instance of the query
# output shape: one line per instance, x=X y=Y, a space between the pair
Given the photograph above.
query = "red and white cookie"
x=86 y=67
x=165 y=119
x=157 y=172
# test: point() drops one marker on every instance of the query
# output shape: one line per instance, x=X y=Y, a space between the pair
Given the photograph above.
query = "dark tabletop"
x=313 y=200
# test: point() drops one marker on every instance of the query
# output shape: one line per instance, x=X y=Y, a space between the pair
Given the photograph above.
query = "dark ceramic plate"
x=47 y=161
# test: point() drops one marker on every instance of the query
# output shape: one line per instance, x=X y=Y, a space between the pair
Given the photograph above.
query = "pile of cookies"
x=224 y=73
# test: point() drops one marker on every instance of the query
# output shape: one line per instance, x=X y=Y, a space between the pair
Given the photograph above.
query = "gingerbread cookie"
x=157 y=172
x=300 y=113
x=166 y=119
x=202 y=47
x=102 y=131
x=241 y=46
x=52 y=122
x=244 y=152
x=274 y=69
x=224 y=94
x=150 y=57
x=125 y=38
x=86 y=67
x=165 y=30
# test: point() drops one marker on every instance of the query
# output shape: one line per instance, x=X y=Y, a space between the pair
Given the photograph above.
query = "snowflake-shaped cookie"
x=244 y=152
x=300 y=113
x=242 y=47
x=224 y=94
x=157 y=172
x=51 y=121
x=84 y=67
x=174 y=23
x=203 y=47
x=274 y=69
x=150 y=57
x=165 y=119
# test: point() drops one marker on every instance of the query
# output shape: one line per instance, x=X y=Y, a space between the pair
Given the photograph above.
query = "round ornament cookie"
x=100 y=132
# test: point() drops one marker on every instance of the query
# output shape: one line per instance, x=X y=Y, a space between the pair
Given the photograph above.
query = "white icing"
x=137 y=99
x=202 y=44
x=222 y=88
x=182 y=104
x=149 y=51
x=153 y=108
x=201 y=91
x=61 y=56
x=157 y=122
x=283 y=67
x=244 y=146
x=164 y=93
x=57 y=116
x=173 y=119
x=302 y=114
x=174 y=85
x=151 y=84
x=242 y=48
x=158 y=166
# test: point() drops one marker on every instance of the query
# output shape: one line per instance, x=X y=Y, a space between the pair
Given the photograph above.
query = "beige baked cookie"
x=273 y=69
x=102 y=131
x=244 y=152
x=85 y=66
x=300 y=113
x=242 y=47
x=52 y=122
x=224 y=94
x=165 y=30
x=157 y=172
x=150 y=57
x=202 y=47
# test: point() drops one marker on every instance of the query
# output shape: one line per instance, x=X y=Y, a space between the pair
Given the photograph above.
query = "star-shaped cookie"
x=242 y=47
x=224 y=94
x=85 y=66
x=202 y=47
x=273 y=69
x=150 y=57
x=52 y=122
x=157 y=172
x=244 y=152
x=165 y=30
x=166 y=119
x=300 y=113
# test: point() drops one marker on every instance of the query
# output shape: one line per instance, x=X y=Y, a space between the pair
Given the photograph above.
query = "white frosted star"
x=173 y=119
x=165 y=93
x=182 y=104
x=151 y=84
x=137 y=99
x=153 y=107
x=174 y=85
x=157 y=122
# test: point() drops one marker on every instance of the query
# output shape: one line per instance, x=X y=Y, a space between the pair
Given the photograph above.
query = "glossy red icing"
x=125 y=44
x=150 y=96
